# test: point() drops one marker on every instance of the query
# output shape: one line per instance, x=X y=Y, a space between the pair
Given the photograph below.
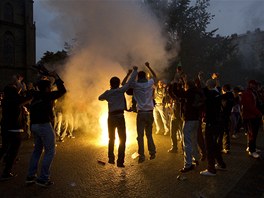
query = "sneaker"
x=166 y=133
x=141 y=160
x=185 y=170
x=153 y=156
x=257 y=150
x=254 y=154
x=225 y=151
x=60 y=140
x=207 y=173
x=71 y=136
x=8 y=176
x=221 y=168
x=196 y=162
x=172 y=150
x=31 y=179
x=234 y=136
x=45 y=184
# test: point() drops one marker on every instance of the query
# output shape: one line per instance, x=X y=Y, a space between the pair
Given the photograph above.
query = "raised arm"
x=152 y=72
x=61 y=90
x=126 y=77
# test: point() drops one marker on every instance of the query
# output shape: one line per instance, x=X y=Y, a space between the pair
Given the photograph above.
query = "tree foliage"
x=52 y=58
x=186 y=25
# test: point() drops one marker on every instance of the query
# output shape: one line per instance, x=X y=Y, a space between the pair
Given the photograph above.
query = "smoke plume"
x=112 y=36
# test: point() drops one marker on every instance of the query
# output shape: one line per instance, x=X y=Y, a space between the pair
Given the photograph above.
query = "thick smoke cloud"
x=112 y=36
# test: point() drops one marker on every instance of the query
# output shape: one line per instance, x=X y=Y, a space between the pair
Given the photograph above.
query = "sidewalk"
x=77 y=173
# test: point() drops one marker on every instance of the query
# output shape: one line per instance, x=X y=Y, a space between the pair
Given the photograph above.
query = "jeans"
x=14 y=140
x=252 y=126
x=44 y=137
x=212 y=132
x=160 y=113
x=176 y=127
x=144 y=123
x=117 y=122
x=190 y=146
x=224 y=136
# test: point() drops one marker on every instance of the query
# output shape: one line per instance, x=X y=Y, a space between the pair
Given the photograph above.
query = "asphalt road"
x=77 y=173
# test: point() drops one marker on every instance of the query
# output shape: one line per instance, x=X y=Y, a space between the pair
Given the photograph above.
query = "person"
x=251 y=116
x=160 y=114
x=116 y=120
x=129 y=92
x=227 y=103
x=176 y=118
x=143 y=94
x=213 y=127
x=179 y=76
x=42 y=119
x=200 y=84
x=235 y=116
x=12 y=127
x=191 y=114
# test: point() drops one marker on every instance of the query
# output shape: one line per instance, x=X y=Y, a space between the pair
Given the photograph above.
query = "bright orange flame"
x=103 y=140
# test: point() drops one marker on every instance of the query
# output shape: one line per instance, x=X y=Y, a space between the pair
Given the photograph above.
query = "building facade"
x=17 y=40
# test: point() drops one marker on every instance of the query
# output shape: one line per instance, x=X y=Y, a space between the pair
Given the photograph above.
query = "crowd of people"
x=31 y=111
x=200 y=116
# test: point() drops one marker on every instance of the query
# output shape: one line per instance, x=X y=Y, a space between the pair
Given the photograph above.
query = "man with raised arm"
x=116 y=120
x=143 y=93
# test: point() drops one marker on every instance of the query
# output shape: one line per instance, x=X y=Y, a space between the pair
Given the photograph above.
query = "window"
x=8 y=12
x=9 y=49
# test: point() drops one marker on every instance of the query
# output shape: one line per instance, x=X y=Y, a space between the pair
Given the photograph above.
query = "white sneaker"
x=254 y=154
x=218 y=167
x=257 y=150
x=225 y=151
x=207 y=173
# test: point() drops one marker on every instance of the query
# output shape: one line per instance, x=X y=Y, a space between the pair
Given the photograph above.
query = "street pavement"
x=77 y=173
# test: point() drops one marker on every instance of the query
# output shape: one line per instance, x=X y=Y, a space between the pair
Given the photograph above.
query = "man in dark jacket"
x=42 y=117
x=12 y=128
x=214 y=125
x=227 y=103
x=191 y=114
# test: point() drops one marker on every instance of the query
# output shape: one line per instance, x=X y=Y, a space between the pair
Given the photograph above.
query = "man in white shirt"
x=143 y=94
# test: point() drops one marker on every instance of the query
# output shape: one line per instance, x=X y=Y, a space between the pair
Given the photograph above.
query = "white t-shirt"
x=143 y=94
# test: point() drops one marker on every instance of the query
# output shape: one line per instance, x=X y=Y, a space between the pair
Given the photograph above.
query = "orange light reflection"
x=130 y=129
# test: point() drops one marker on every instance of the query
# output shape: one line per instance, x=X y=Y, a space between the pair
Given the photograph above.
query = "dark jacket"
x=12 y=109
x=41 y=108
x=190 y=111
x=249 y=105
x=228 y=101
x=213 y=107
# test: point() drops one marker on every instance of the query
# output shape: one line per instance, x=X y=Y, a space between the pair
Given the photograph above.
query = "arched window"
x=8 y=12
x=9 y=49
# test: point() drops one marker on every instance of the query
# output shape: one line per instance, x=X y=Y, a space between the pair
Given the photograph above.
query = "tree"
x=187 y=24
